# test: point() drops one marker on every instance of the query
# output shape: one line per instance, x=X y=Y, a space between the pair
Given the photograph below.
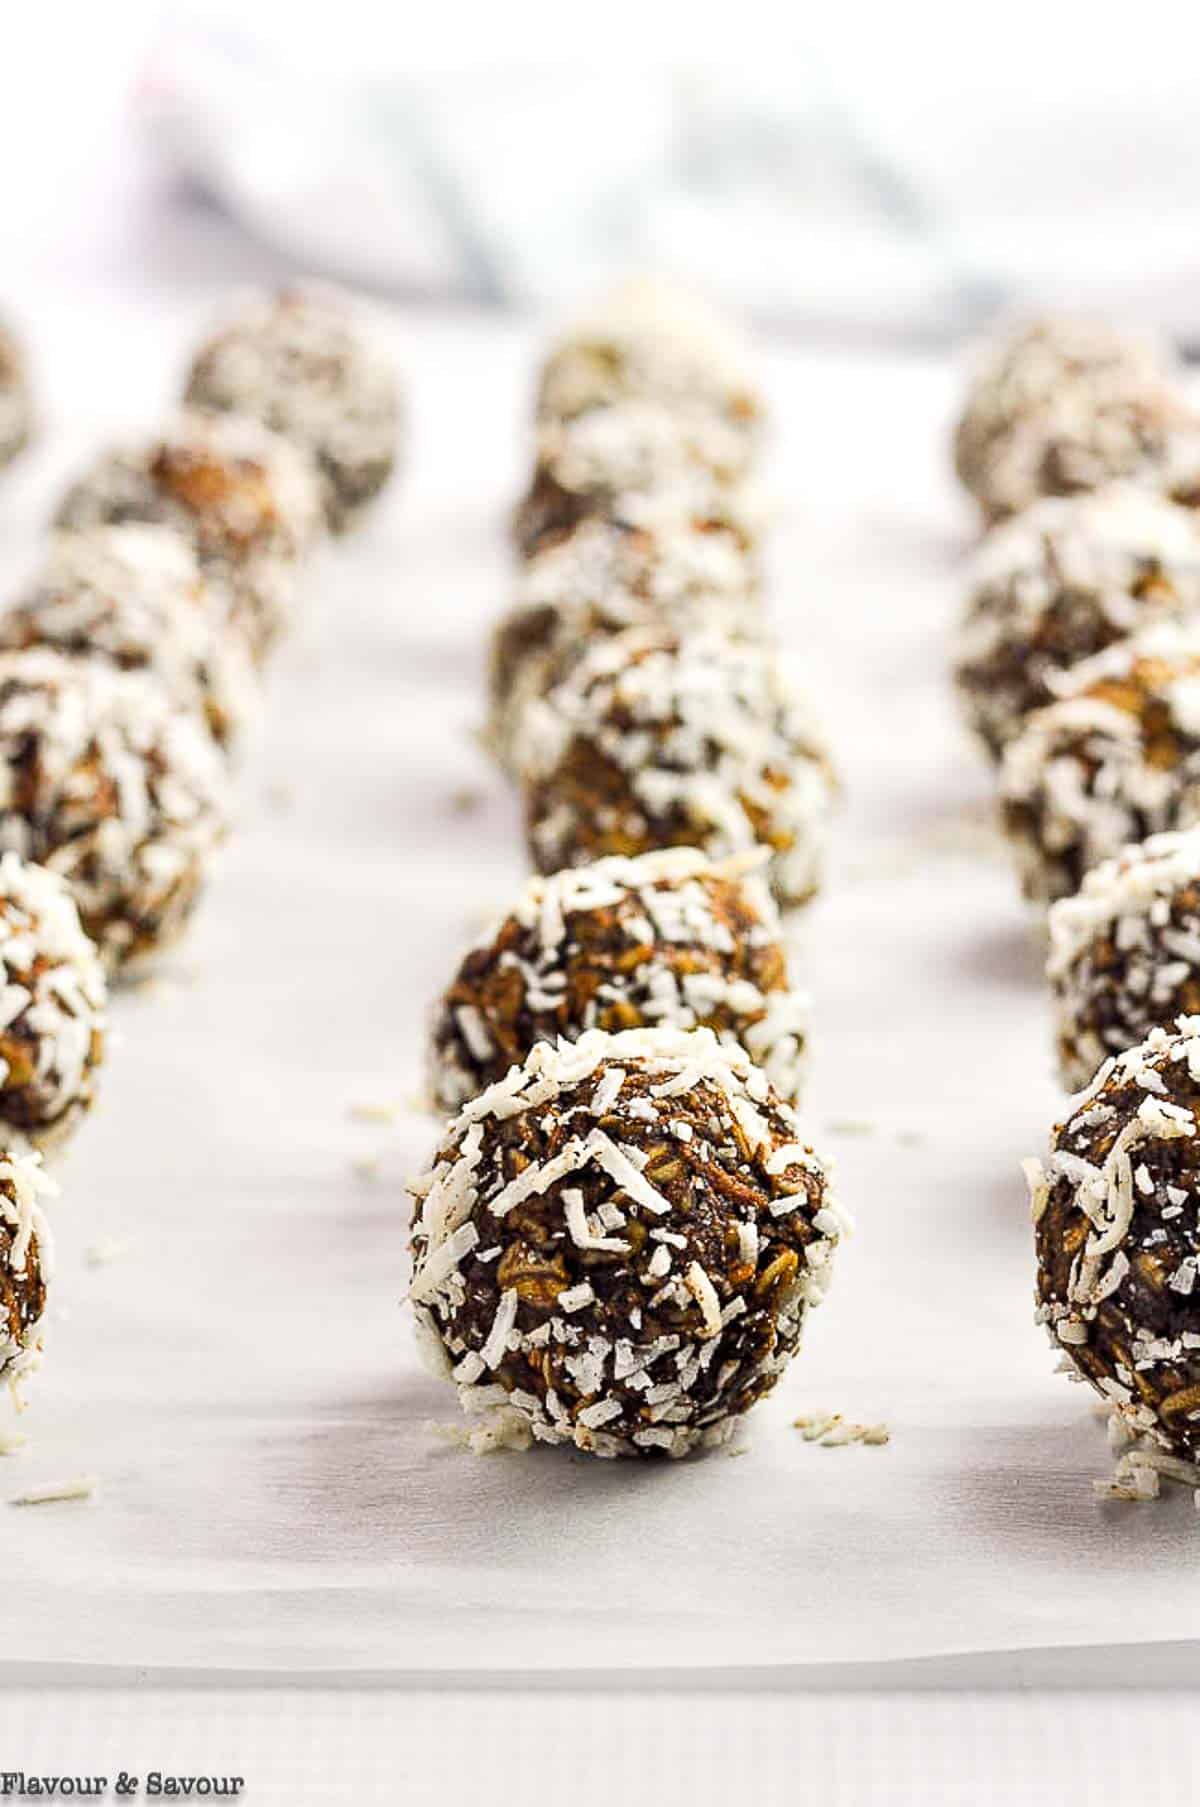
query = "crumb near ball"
x=666 y=940
x=618 y=1243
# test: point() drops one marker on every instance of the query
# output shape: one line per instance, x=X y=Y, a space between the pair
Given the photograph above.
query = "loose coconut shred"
x=618 y=1243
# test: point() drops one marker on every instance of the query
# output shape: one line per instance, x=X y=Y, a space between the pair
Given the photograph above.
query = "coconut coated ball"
x=1115 y=760
x=1118 y=1238
x=617 y=1244
x=306 y=363
x=1059 y=583
x=26 y=1263
x=660 y=739
x=53 y=1000
x=242 y=496
x=668 y=940
x=1063 y=406
x=137 y=597
x=114 y=788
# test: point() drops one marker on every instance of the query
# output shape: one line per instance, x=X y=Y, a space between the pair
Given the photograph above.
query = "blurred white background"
x=893 y=172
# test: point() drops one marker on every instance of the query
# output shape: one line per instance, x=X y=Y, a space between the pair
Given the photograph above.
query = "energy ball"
x=137 y=597
x=113 y=787
x=1118 y=1239
x=1115 y=760
x=52 y=1006
x=26 y=1263
x=635 y=463
x=1125 y=952
x=666 y=940
x=1059 y=583
x=651 y=341
x=16 y=399
x=618 y=1243
x=307 y=365
x=599 y=579
x=1062 y=406
x=665 y=739
x=241 y=495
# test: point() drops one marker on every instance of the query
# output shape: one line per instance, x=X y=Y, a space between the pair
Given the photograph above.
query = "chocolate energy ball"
x=1125 y=952
x=637 y=462
x=1115 y=760
x=306 y=364
x=16 y=398
x=113 y=787
x=52 y=1006
x=1118 y=1238
x=663 y=739
x=668 y=940
x=596 y=581
x=26 y=1263
x=1063 y=581
x=137 y=596
x=651 y=341
x=618 y=1243
x=1061 y=406
x=243 y=496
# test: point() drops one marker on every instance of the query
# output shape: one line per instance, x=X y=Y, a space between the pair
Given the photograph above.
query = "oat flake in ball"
x=669 y=940
x=1060 y=583
x=665 y=739
x=243 y=496
x=52 y=1006
x=26 y=1263
x=1116 y=760
x=305 y=363
x=136 y=595
x=113 y=787
x=1115 y=1208
x=618 y=1243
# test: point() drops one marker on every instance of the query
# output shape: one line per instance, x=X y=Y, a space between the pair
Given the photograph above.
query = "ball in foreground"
x=668 y=940
x=667 y=739
x=52 y=1006
x=1118 y=1237
x=113 y=787
x=307 y=365
x=617 y=1245
x=26 y=1263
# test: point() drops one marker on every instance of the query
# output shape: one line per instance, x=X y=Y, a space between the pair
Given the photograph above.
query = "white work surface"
x=272 y=1504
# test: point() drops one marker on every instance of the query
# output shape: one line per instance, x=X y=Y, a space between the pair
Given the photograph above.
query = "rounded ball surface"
x=1118 y=1237
x=26 y=1263
x=668 y=940
x=617 y=1245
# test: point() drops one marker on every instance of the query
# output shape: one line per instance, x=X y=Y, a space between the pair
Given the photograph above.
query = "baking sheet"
x=238 y=1376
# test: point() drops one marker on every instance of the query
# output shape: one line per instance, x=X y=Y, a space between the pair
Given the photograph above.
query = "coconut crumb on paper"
x=107 y=1250
x=367 y=1112
x=1141 y=1466
x=368 y=1168
x=500 y=1429
x=12 y=1442
x=82 y=1487
x=833 y=1431
x=850 y=1126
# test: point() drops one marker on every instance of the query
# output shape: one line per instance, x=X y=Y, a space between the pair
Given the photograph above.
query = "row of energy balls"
x=1079 y=665
x=128 y=673
x=623 y=1229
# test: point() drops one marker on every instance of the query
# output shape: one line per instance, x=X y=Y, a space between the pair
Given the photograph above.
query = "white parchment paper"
x=238 y=1377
